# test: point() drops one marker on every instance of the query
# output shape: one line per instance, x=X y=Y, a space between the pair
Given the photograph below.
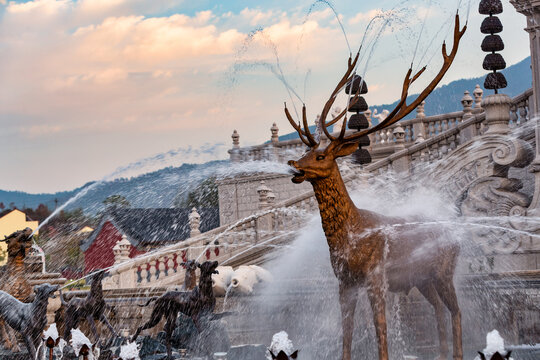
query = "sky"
x=90 y=86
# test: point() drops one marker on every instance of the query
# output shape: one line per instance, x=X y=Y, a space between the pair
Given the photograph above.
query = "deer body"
x=361 y=252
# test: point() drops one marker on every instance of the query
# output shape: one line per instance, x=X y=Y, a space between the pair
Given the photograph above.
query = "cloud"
x=121 y=78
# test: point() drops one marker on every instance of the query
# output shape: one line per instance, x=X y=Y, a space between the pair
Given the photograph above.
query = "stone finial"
x=467 y=102
x=235 y=139
x=275 y=137
x=121 y=250
x=263 y=192
x=271 y=198
x=367 y=114
x=420 y=110
x=399 y=133
x=194 y=223
x=478 y=94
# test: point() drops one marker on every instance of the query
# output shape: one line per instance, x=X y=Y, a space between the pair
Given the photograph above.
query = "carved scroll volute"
x=513 y=153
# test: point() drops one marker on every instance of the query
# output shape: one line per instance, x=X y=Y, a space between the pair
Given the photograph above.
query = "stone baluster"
x=194 y=223
x=144 y=273
x=418 y=127
x=161 y=267
x=153 y=270
x=523 y=113
x=170 y=264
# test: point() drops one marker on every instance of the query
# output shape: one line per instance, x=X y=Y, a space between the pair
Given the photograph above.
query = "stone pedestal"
x=497 y=108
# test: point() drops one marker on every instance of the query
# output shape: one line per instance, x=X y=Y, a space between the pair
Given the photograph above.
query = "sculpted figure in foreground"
x=370 y=258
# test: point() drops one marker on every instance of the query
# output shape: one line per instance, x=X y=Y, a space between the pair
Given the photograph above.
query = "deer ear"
x=482 y=356
x=294 y=354
x=508 y=354
x=346 y=149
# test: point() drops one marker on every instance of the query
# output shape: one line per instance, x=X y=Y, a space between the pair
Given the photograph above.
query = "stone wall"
x=238 y=197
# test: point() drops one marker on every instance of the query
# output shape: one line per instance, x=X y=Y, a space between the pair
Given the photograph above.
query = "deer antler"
x=402 y=109
x=305 y=135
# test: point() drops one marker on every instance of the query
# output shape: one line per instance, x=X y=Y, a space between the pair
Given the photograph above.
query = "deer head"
x=318 y=163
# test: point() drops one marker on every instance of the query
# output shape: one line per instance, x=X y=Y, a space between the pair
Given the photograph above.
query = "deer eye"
x=320 y=157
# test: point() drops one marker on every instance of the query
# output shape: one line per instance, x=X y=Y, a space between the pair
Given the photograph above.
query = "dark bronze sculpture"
x=496 y=356
x=190 y=279
x=194 y=304
x=90 y=308
x=370 y=259
x=13 y=279
x=28 y=319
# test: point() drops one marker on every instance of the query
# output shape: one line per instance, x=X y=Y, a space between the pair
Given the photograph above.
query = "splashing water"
x=163 y=159
x=331 y=7
x=130 y=351
x=229 y=288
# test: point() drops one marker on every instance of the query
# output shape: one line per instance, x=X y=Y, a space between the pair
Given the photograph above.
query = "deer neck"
x=335 y=206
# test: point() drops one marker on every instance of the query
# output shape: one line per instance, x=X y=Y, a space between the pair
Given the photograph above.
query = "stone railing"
x=248 y=238
x=463 y=127
x=383 y=142
x=229 y=245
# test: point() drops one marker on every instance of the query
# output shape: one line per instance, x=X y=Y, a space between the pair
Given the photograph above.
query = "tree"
x=116 y=200
x=205 y=195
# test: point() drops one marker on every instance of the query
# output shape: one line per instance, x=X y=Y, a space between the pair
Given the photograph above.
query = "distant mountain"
x=162 y=188
x=447 y=98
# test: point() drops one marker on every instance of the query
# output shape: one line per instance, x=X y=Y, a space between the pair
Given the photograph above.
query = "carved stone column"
x=234 y=153
x=531 y=9
x=121 y=250
x=194 y=223
x=266 y=201
x=125 y=279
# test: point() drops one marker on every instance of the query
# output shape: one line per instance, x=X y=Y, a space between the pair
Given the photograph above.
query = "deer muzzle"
x=298 y=175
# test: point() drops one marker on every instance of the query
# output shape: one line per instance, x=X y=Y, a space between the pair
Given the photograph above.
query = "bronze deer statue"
x=363 y=258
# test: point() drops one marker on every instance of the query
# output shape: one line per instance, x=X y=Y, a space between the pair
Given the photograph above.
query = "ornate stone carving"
x=495 y=197
x=513 y=152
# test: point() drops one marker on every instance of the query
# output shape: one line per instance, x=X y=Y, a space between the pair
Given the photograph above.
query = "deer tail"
x=148 y=302
x=62 y=300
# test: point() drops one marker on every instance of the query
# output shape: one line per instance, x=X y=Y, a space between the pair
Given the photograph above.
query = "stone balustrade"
x=383 y=142
x=275 y=223
x=449 y=131
x=241 y=240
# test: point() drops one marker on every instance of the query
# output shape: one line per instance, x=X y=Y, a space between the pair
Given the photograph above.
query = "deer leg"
x=104 y=320
x=348 y=296
x=154 y=320
x=430 y=293
x=376 y=295
x=30 y=346
x=169 y=328
x=447 y=292
x=92 y=323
